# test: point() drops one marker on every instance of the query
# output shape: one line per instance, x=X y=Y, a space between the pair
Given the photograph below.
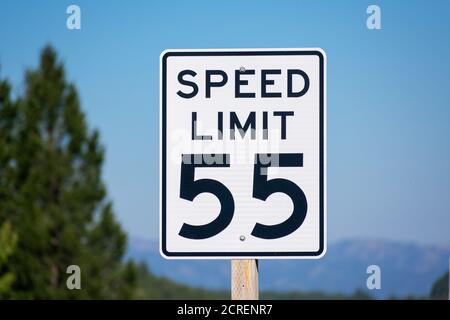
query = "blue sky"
x=388 y=95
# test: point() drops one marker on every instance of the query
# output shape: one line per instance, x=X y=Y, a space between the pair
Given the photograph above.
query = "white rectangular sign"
x=243 y=153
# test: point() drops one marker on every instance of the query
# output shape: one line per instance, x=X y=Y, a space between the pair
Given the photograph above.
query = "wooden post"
x=244 y=279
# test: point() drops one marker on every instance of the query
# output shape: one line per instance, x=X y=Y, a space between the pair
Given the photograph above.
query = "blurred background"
x=79 y=144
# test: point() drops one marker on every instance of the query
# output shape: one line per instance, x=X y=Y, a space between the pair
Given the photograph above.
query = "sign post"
x=244 y=279
x=243 y=157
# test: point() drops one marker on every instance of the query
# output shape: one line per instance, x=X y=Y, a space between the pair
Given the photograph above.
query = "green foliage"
x=314 y=295
x=52 y=192
x=440 y=288
x=8 y=241
x=152 y=287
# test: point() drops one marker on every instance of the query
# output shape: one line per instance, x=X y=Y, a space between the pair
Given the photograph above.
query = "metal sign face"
x=243 y=153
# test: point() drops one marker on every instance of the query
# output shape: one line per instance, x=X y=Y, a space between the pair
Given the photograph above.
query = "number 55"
x=262 y=189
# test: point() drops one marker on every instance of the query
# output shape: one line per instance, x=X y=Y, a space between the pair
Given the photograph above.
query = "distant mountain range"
x=406 y=268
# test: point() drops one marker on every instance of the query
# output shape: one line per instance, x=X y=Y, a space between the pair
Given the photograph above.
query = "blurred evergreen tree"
x=51 y=190
x=8 y=240
x=440 y=288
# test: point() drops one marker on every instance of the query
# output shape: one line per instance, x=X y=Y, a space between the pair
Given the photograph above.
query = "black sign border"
x=163 y=239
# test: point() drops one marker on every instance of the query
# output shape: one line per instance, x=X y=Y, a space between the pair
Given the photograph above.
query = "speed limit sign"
x=243 y=153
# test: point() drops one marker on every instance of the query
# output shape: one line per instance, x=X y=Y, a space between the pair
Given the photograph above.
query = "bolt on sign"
x=243 y=153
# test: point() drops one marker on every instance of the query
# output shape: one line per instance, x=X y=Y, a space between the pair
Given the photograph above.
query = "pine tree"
x=51 y=190
x=8 y=241
x=440 y=288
